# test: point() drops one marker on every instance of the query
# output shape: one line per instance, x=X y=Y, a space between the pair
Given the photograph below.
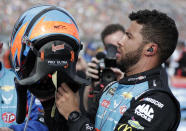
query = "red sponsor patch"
x=97 y=129
x=122 y=109
x=57 y=47
x=105 y=103
x=8 y=117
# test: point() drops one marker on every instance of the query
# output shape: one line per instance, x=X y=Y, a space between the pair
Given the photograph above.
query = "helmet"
x=45 y=39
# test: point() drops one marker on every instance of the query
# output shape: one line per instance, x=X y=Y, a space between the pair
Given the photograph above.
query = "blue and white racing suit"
x=139 y=102
x=8 y=105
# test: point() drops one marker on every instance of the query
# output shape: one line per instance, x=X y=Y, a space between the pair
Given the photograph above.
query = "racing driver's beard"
x=130 y=59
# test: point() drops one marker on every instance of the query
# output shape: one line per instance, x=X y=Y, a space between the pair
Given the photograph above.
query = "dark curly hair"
x=158 y=28
x=109 y=29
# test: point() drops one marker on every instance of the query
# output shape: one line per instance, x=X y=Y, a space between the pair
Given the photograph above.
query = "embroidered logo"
x=7 y=88
x=145 y=111
x=122 y=109
x=57 y=47
x=137 y=78
x=115 y=104
x=155 y=102
x=8 y=117
x=105 y=103
x=127 y=95
x=125 y=127
x=135 y=124
x=89 y=127
x=7 y=100
x=111 y=91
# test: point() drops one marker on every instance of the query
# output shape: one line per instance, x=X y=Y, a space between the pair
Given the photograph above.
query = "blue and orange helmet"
x=45 y=39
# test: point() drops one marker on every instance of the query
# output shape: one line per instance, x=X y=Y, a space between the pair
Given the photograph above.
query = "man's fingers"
x=59 y=98
x=66 y=88
x=92 y=75
x=92 y=71
x=118 y=72
x=92 y=65
x=94 y=60
x=60 y=90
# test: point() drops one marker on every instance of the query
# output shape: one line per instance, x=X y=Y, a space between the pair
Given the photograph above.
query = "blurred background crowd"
x=93 y=15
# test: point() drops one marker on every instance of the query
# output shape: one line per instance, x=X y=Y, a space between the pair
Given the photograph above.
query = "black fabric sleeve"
x=155 y=112
x=82 y=124
x=58 y=122
x=87 y=120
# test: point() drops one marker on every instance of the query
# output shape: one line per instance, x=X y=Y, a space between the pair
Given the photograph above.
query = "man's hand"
x=118 y=72
x=66 y=100
x=81 y=64
x=5 y=129
x=92 y=70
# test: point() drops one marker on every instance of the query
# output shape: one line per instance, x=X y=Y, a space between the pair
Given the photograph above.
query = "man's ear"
x=151 y=49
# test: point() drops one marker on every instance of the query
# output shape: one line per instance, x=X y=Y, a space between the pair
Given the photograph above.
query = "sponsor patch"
x=155 y=102
x=122 y=109
x=57 y=47
x=135 y=124
x=57 y=62
x=7 y=100
x=7 y=88
x=127 y=95
x=145 y=111
x=8 y=117
x=88 y=127
x=111 y=91
x=124 y=127
x=105 y=103
x=115 y=104
x=137 y=78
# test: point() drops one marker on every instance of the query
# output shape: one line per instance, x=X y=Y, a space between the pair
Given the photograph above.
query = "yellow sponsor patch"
x=127 y=95
x=125 y=127
x=7 y=88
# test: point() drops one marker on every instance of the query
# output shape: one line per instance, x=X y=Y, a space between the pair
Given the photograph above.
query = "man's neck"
x=141 y=66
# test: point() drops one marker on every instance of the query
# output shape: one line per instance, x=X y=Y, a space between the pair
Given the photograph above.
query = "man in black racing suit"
x=141 y=100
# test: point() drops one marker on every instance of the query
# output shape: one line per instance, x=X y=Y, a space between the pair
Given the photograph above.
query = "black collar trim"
x=141 y=77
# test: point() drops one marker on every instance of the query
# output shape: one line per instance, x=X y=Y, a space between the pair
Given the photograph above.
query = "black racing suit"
x=138 y=102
